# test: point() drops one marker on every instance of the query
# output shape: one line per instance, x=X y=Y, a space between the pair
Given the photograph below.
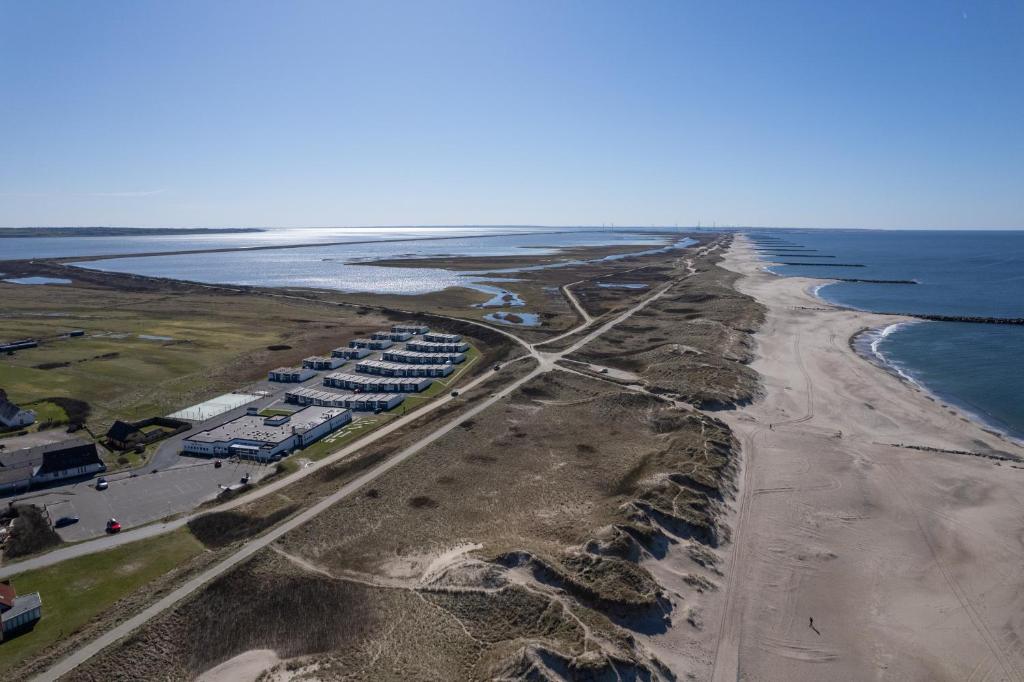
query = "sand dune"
x=911 y=562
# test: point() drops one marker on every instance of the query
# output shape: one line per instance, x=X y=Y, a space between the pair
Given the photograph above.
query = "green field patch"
x=77 y=590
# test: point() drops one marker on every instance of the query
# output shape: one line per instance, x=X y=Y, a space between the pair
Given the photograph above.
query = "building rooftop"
x=397 y=365
x=255 y=428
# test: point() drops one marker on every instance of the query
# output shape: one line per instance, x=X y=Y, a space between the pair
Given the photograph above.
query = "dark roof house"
x=124 y=435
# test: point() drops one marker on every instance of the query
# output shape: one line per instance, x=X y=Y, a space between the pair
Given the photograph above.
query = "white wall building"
x=254 y=437
x=291 y=375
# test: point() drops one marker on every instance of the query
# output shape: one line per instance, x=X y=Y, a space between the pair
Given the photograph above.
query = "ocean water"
x=978 y=367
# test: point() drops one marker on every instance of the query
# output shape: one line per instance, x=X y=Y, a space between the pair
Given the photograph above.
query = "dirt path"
x=907 y=560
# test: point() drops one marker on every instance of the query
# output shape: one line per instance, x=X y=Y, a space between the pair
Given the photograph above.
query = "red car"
x=113 y=526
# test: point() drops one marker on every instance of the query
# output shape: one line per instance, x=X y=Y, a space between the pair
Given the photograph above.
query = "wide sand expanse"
x=910 y=562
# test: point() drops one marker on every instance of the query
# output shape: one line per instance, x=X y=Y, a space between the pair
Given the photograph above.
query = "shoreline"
x=858 y=508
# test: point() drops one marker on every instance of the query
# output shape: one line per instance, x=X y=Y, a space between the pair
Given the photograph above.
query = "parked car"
x=497 y=367
x=101 y=484
x=245 y=479
x=65 y=521
x=113 y=526
x=217 y=464
x=604 y=370
x=455 y=394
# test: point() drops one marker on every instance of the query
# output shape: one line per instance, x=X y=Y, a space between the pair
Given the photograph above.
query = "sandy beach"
x=909 y=561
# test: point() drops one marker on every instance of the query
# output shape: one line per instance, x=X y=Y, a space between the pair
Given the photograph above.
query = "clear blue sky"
x=873 y=114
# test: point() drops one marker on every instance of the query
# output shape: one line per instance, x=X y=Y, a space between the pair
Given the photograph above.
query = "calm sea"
x=979 y=367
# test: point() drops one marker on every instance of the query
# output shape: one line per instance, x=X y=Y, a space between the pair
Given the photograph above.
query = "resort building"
x=18 y=614
x=411 y=357
x=359 y=402
x=369 y=384
x=320 y=362
x=290 y=375
x=429 y=347
x=264 y=438
x=436 y=337
x=12 y=416
x=415 y=329
x=372 y=344
x=394 y=369
x=392 y=336
x=350 y=353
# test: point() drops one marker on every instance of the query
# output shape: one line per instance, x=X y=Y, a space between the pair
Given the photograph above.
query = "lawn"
x=208 y=344
x=75 y=591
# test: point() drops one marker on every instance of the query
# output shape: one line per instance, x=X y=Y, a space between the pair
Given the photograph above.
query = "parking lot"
x=139 y=499
x=172 y=483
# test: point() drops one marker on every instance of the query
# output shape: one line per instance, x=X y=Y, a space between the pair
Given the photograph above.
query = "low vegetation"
x=80 y=590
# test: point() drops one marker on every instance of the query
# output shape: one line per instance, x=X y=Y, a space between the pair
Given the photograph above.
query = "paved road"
x=545 y=363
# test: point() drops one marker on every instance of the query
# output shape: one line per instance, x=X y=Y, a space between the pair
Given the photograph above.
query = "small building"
x=127 y=435
x=395 y=369
x=320 y=362
x=392 y=336
x=350 y=353
x=124 y=436
x=411 y=357
x=12 y=416
x=357 y=402
x=372 y=384
x=290 y=375
x=11 y=346
x=437 y=337
x=70 y=459
x=17 y=614
x=430 y=347
x=374 y=402
x=372 y=344
x=21 y=469
x=264 y=438
x=415 y=329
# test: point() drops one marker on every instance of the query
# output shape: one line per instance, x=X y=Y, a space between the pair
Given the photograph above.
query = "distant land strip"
x=9 y=232
x=876 y=281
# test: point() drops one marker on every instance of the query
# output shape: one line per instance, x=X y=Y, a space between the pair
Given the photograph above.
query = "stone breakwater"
x=966 y=318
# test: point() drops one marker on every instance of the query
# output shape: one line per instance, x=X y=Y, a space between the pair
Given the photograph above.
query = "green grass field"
x=77 y=590
x=217 y=343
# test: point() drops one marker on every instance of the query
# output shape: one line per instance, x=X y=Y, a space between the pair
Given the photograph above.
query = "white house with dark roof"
x=12 y=416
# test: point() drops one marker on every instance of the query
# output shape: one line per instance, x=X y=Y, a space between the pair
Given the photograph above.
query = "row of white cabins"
x=377 y=386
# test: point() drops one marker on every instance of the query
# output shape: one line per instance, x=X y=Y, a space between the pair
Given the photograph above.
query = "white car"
x=101 y=484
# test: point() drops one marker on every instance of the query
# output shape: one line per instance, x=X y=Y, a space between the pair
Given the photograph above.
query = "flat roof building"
x=432 y=347
x=375 y=384
x=411 y=328
x=254 y=437
x=372 y=344
x=392 y=336
x=395 y=369
x=442 y=338
x=351 y=401
x=290 y=375
x=350 y=353
x=411 y=357
x=321 y=362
